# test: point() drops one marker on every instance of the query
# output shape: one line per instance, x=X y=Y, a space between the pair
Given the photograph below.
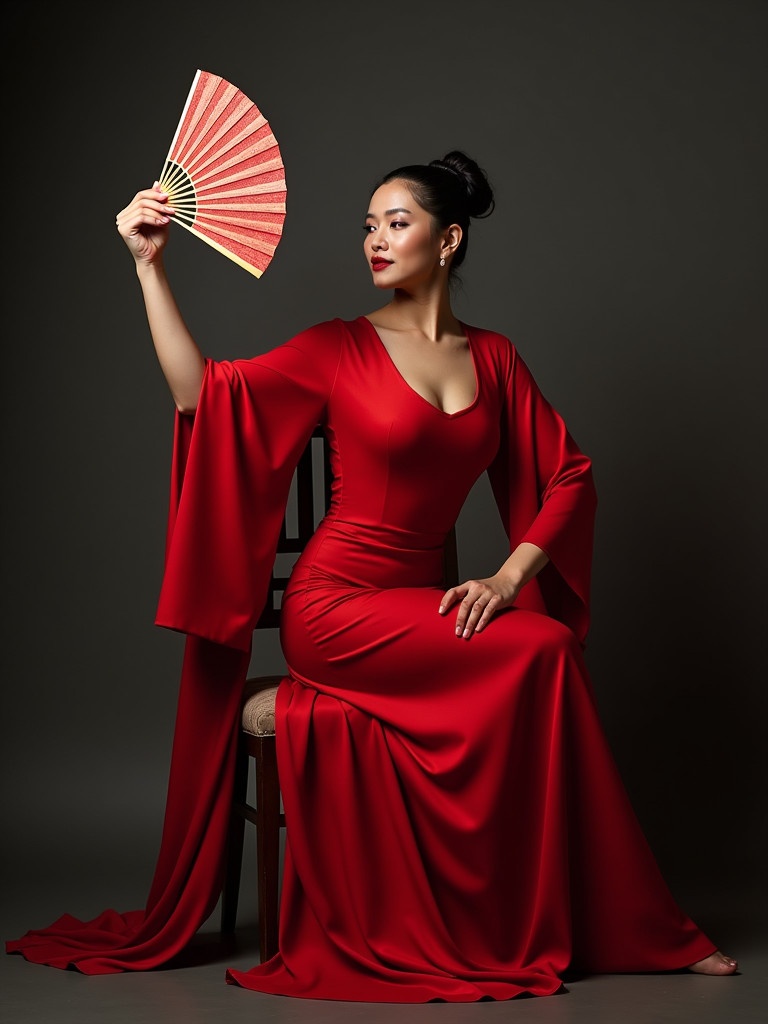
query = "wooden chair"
x=309 y=500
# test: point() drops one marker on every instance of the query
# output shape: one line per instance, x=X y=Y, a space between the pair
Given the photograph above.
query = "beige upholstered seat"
x=259 y=706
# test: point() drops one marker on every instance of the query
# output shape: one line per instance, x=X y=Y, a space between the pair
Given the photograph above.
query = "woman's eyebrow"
x=388 y=213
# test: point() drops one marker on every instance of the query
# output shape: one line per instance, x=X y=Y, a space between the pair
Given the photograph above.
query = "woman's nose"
x=378 y=242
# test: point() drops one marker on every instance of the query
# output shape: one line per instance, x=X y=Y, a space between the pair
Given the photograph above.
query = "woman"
x=484 y=842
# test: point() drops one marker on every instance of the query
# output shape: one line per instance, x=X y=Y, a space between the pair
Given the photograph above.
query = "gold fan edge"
x=220 y=248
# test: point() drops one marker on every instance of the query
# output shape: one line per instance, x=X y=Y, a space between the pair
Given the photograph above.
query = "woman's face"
x=402 y=244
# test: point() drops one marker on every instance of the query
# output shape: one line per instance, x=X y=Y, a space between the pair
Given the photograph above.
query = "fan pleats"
x=224 y=174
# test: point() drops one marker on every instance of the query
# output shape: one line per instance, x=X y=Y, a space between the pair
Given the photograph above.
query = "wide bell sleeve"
x=546 y=496
x=232 y=466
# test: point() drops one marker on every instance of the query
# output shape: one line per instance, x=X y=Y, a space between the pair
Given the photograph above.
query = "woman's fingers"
x=478 y=605
x=143 y=223
x=481 y=614
x=148 y=208
x=448 y=599
x=479 y=601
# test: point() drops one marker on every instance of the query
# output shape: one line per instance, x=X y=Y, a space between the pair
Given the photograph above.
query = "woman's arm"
x=546 y=496
x=143 y=225
x=544 y=490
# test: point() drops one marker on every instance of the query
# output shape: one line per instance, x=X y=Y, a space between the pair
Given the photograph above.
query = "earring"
x=442 y=261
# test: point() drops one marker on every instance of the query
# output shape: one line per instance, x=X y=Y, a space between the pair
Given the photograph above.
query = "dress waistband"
x=347 y=554
x=388 y=535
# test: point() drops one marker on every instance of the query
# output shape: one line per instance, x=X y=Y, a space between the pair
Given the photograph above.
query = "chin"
x=388 y=281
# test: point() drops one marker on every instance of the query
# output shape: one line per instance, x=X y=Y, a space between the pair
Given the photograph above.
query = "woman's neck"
x=428 y=313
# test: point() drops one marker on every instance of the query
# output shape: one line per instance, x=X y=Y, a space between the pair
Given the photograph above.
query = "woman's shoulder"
x=314 y=349
x=331 y=330
x=321 y=340
x=334 y=332
x=493 y=345
x=490 y=336
x=503 y=356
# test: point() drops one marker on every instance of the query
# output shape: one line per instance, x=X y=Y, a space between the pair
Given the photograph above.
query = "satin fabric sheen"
x=456 y=825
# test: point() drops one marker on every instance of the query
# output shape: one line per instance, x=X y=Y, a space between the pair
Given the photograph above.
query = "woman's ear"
x=450 y=240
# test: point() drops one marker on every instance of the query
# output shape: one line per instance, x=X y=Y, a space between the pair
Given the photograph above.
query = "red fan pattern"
x=224 y=174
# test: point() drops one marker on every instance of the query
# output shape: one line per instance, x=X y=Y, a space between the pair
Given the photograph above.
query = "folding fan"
x=224 y=174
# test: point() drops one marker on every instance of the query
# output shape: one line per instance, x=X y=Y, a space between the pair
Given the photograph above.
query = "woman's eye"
x=368 y=228
x=399 y=224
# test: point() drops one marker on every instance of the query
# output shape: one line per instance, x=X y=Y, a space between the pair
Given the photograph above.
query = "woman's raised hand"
x=143 y=224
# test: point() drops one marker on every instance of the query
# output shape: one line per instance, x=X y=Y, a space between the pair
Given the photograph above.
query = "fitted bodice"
x=398 y=461
x=402 y=469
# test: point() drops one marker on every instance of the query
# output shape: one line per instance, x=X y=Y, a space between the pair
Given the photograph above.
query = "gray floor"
x=194 y=992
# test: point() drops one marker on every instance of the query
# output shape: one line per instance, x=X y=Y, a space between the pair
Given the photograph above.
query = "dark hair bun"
x=480 y=201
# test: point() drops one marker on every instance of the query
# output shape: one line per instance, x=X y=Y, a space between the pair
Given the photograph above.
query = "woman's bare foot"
x=716 y=963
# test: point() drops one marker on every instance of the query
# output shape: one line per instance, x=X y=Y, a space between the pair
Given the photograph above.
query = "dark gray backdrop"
x=626 y=259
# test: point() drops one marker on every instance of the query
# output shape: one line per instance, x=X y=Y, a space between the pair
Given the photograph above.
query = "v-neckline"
x=413 y=391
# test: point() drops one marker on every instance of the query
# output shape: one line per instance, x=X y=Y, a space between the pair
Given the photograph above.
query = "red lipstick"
x=379 y=263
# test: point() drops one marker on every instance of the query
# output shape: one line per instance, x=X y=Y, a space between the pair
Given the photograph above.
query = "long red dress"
x=456 y=825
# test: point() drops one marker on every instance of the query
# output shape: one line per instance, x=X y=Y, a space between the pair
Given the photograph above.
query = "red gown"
x=456 y=825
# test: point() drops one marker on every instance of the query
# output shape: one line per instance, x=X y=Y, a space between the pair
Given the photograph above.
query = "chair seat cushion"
x=259 y=705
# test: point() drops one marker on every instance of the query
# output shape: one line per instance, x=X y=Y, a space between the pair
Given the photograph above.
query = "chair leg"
x=236 y=834
x=267 y=843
